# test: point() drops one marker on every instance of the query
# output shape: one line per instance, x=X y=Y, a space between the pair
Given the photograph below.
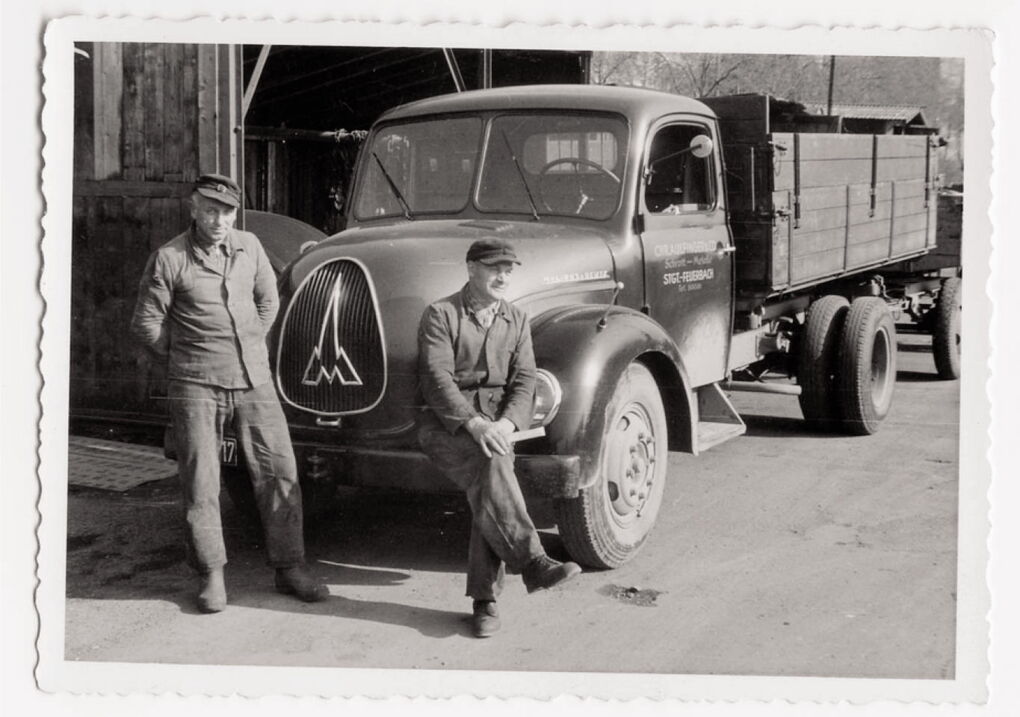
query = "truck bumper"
x=540 y=476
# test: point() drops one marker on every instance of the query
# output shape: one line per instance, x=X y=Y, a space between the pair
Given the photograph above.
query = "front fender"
x=588 y=358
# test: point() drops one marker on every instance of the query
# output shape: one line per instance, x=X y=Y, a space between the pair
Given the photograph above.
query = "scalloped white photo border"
x=57 y=674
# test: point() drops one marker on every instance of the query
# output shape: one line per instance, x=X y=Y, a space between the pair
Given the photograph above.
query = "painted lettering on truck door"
x=687 y=247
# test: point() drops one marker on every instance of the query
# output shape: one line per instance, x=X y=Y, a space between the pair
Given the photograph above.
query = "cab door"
x=687 y=245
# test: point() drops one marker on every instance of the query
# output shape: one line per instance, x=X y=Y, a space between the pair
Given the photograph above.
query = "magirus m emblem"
x=329 y=360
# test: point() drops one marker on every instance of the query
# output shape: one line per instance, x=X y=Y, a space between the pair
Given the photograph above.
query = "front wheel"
x=609 y=521
x=867 y=365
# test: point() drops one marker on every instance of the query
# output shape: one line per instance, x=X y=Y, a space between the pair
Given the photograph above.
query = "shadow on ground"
x=128 y=546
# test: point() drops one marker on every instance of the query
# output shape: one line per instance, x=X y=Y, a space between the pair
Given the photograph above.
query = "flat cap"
x=492 y=251
x=219 y=187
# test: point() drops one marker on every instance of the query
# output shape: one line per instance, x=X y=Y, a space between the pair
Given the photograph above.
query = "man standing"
x=205 y=303
x=477 y=371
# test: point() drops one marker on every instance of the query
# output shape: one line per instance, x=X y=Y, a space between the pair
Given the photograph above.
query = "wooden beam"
x=154 y=98
x=279 y=134
x=133 y=107
x=208 y=138
x=126 y=188
x=253 y=83
x=107 y=93
x=451 y=62
x=486 y=69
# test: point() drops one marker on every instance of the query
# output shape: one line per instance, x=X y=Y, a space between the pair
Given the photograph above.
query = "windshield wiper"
x=520 y=173
x=393 y=188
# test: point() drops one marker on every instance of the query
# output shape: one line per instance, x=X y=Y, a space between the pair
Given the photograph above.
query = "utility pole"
x=832 y=78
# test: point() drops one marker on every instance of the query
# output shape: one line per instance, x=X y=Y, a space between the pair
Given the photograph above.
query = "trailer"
x=824 y=223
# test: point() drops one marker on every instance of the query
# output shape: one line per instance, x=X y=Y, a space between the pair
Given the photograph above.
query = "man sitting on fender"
x=477 y=372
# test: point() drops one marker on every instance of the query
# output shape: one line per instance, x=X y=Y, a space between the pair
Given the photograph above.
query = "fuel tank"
x=345 y=346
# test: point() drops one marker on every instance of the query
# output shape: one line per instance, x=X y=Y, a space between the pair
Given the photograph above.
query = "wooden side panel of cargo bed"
x=854 y=201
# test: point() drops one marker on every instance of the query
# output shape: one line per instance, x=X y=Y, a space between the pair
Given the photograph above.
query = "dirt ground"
x=783 y=552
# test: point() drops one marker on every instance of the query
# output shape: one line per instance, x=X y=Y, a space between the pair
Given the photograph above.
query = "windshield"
x=420 y=168
x=537 y=164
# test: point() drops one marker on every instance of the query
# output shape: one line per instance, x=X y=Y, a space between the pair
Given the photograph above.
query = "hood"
x=412 y=264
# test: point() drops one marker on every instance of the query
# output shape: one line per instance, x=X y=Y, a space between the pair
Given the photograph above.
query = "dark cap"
x=492 y=251
x=222 y=189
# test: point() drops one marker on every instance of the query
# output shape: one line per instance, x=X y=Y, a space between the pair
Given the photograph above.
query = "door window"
x=677 y=182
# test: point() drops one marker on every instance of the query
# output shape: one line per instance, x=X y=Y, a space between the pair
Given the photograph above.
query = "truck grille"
x=331 y=358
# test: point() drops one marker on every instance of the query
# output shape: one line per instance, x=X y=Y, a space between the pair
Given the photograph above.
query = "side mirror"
x=701 y=146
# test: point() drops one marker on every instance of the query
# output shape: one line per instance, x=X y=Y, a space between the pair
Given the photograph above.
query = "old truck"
x=673 y=251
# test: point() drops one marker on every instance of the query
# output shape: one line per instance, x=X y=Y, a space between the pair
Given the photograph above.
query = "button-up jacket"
x=208 y=319
x=467 y=370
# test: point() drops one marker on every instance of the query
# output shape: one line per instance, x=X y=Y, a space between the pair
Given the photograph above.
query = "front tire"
x=945 y=343
x=867 y=365
x=610 y=520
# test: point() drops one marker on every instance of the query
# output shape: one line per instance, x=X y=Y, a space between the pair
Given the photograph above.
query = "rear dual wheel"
x=945 y=343
x=847 y=363
x=817 y=360
x=866 y=375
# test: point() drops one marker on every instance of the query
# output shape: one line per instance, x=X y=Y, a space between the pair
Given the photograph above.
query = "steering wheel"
x=577 y=162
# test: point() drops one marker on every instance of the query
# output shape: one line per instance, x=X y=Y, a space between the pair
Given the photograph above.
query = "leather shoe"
x=212 y=597
x=297 y=581
x=484 y=618
x=544 y=572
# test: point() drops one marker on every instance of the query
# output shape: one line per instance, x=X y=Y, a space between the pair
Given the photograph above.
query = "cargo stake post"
x=677 y=252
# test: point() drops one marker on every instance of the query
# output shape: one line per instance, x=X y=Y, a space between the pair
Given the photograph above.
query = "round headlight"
x=548 y=396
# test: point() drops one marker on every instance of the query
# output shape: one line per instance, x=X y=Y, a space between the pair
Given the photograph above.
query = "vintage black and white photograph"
x=461 y=359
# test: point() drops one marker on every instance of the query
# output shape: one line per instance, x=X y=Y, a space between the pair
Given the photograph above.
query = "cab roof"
x=632 y=102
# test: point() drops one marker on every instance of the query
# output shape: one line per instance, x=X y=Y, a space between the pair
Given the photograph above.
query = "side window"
x=676 y=181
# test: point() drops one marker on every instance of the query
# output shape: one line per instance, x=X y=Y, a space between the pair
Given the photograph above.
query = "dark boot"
x=544 y=572
x=212 y=596
x=297 y=581
x=484 y=618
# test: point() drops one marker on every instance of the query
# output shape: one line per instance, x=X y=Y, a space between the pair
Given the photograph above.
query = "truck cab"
x=616 y=202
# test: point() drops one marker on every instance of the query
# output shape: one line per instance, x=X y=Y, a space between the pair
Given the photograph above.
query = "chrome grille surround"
x=331 y=349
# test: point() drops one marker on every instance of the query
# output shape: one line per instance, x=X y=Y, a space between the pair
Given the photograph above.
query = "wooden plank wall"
x=143 y=127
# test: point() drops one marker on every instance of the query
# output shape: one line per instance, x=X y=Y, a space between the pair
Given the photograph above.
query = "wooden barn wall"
x=146 y=121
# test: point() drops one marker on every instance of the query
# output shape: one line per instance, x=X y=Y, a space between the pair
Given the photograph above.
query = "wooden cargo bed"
x=809 y=207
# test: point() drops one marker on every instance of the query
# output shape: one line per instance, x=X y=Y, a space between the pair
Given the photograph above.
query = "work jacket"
x=467 y=370
x=206 y=320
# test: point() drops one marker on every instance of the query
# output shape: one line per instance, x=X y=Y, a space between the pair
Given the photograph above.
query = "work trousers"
x=198 y=414
x=502 y=533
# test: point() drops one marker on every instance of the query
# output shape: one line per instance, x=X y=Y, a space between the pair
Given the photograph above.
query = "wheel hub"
x=881 y=361
x=631 y=455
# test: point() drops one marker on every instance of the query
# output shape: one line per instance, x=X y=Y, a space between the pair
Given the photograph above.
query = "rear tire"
x=867 y=365
x=818 y=358
x=610 y=520
x=945 y=343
